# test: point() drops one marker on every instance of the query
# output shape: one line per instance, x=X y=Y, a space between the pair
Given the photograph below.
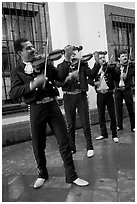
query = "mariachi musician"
x=75 y=90
x=39 y=91
x=126 y=70
x=104 y=76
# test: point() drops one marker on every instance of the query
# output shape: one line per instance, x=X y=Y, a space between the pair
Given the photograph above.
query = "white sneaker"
x=81 y=182
x=118 y=128
x=90 y=153
x=101 y=137
x=39 y=182
x=115 y=139
x=133 y=130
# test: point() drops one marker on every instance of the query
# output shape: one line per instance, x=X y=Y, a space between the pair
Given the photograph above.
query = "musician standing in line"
x=40 y=93
x=126 y=71
x=104 y=85
x=75 y=98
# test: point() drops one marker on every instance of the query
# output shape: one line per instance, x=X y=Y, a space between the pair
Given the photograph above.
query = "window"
x=123 y=34
x=28 y=20
x=120 y=30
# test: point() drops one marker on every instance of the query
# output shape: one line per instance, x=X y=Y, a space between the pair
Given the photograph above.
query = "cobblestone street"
x=111 y=171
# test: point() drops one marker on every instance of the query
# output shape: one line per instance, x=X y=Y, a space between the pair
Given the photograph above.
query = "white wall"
x=78 y=23
x=128 y=5
x=81 y=23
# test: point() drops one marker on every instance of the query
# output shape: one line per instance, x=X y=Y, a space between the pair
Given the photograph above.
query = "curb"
x=20 y=132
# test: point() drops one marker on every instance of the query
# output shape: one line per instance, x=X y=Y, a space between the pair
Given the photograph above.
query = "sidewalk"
x=15 y=127
x=111 y=171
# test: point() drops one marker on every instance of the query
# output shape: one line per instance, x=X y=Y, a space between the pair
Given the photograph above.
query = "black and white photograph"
x=68 y=101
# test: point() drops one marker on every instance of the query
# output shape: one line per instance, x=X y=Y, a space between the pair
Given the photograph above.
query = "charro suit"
x=125 y=93
x=105 y=97
x=75 y=97
x=42 y=112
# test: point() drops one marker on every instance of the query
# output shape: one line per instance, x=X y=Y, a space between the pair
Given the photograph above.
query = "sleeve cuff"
x=30 y=85
x=69 y=63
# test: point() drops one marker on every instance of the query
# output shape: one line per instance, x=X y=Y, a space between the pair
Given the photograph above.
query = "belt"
x=121 y=88
x=103 y=91
x=45 y=100
x=73 y=92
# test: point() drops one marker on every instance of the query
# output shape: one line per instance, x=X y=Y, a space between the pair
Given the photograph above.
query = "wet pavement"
x=111 y=171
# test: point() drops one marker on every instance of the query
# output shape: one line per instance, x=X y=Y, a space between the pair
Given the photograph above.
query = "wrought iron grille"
x=123 y=34
x=28 y=20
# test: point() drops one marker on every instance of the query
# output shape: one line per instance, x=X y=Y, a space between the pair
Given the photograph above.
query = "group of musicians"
x=38 y=87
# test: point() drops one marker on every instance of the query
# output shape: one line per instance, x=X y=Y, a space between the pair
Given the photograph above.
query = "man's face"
x=28 y=52
x=123 y=58
x=73 y=56
x=102 y=59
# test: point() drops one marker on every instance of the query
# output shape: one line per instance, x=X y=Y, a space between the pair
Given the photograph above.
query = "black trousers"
x=79 y=102
x=50 y=113
x=126 y=95
x=103 y=101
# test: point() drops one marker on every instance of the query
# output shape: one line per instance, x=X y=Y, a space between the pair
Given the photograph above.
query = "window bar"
x=113 y=36
x=7 y=41
x=18 y=27
x=122 y=30
x=128 y=37
x=131 y=48
x=12 y=31
x=41 y=37
x=3 y=71
x=17 y=16
x=27 y=20
x=133 y=42
x=30 y=23
x=32 y=28
x=46 y=30
x=127 y=33
x=115 y=28
x=35 y=28
x=117 y=31
x=12 y=56
x=4 y=82
x=23 y=16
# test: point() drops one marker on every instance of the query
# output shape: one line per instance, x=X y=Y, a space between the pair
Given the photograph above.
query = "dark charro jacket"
x=20 y=82
x=82 y=83
x=128 y=81
x=111 y=75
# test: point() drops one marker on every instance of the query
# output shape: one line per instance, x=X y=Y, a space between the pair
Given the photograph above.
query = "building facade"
x=95 y=26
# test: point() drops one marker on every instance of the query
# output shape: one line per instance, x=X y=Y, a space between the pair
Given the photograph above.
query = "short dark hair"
x=122 y=51
x=18 y=44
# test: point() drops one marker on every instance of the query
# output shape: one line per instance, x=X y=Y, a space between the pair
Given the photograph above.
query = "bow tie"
x=28 y=68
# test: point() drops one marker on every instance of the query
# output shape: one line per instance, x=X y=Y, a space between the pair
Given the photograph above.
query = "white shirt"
x=103 y=84
x=121 y=83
